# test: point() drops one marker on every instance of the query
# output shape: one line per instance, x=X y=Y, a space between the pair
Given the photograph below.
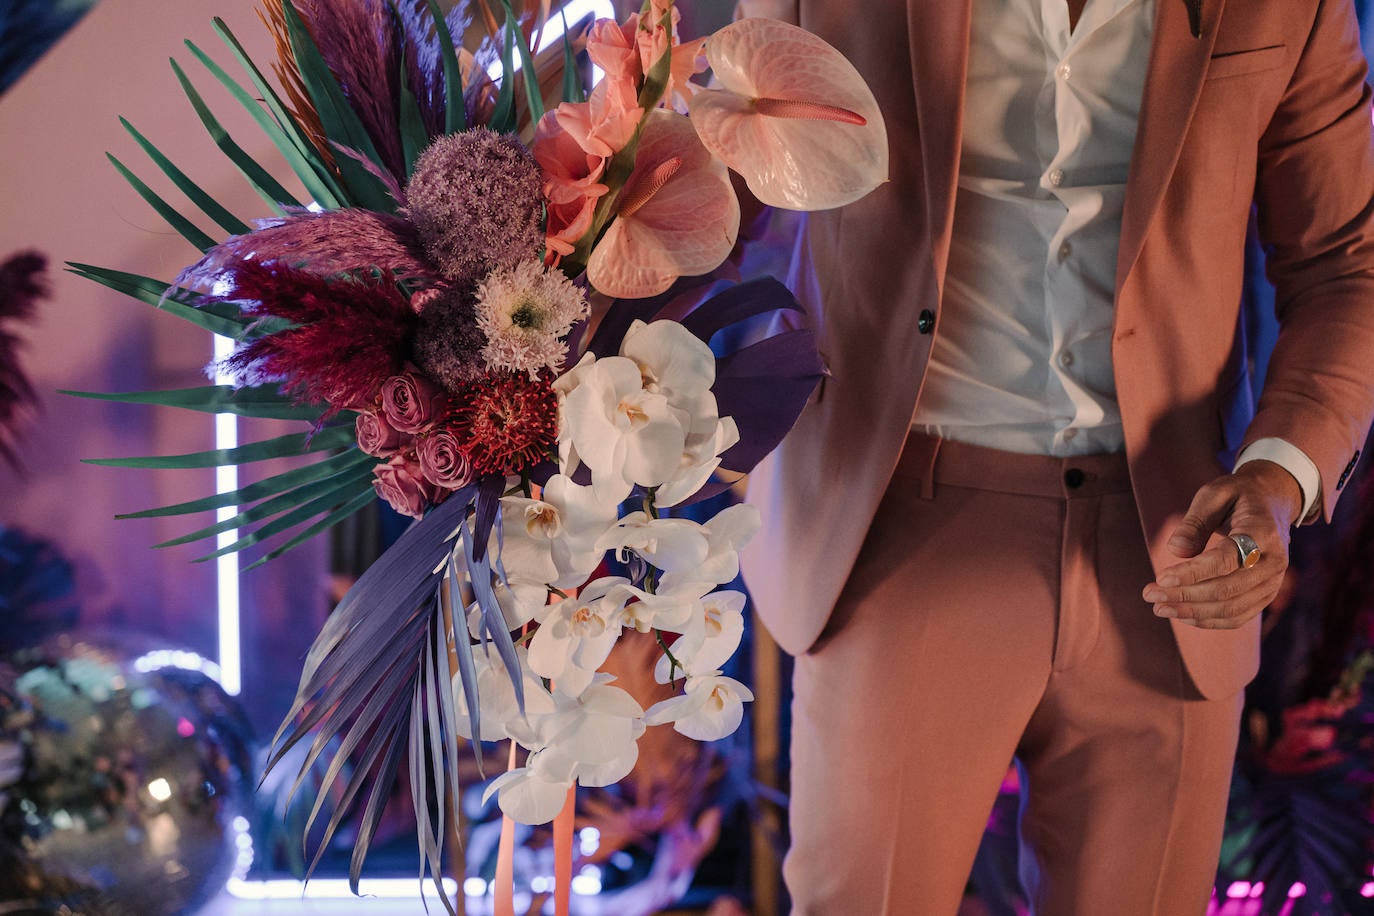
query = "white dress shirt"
x=1022 y=358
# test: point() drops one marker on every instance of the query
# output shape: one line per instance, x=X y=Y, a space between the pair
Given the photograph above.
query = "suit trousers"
x=994 y=614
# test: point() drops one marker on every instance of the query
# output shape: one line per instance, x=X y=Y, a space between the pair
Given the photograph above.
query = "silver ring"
x=1246 y=548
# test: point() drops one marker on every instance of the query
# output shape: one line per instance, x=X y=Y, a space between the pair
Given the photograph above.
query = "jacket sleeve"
x=1315 y=194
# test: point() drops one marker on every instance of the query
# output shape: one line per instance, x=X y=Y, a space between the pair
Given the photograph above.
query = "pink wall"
x=59 y=195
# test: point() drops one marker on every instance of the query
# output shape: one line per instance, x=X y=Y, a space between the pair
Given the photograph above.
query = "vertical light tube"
x=227 y=566
x=553 y=30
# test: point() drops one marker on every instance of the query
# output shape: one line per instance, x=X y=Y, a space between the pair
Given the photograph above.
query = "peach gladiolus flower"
x=677 y=216
x=793 y=117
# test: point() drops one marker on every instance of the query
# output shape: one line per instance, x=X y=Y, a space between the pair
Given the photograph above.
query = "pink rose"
x=401 y=483
x=411 y=401
x=442 y=460
x=376 y=436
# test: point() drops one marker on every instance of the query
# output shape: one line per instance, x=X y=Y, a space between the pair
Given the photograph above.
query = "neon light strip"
x=227 y=566
x=571 y=13
x=331 y=888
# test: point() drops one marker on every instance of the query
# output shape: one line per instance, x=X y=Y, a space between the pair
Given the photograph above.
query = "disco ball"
x=121 y=775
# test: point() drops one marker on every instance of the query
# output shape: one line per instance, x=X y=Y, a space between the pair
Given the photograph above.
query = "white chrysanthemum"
x=525 y=312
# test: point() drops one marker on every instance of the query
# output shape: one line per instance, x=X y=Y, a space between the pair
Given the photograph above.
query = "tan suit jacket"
x=1268 y=105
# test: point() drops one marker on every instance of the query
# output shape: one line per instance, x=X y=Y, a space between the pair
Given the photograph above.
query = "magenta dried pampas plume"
x=349 y=334
x=328 y=243
x=474 y=199
x=22 y=284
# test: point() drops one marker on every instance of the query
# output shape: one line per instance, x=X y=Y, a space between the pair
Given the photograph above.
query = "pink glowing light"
x=1238 y=890
x=185 y=727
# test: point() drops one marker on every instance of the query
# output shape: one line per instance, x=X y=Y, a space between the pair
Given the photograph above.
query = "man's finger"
x=1212 y=563
x=1233 y=611
x=1208 y=510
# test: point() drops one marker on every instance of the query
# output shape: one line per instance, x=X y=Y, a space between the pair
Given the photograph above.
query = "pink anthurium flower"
x=677 y=215
x=792 y=116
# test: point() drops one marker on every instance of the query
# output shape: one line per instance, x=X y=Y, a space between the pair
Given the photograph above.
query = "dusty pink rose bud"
x=442 y=460
x=411 y=402
x=376 y=436
x=401 y=484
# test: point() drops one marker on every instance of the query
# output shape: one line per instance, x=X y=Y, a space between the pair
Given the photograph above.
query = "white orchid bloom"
x=700 y=457
x=563 y=385
x=730 y=529
x=595 y=733
x=666 y=609
x=577 y=635
x=625 y=434
x=672 y=360
x=533 y=793
x=499 y=709
x=591 y=739
x=668 y=543
x=709 y=638
x=552 y=540
x=711 y=708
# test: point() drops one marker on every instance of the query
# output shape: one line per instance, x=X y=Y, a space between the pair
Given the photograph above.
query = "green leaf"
x=455 y=108
x=325 y=191
x=194 y=192
x=503 y=118
x=262 y=401
x=572 y=81
x=358 y=498
x=280 y=447
x=268 y=486
x=339 y=486
x=223 y=318
x=268 y=188
x=341 y=123
x=350 y=508
x=533 y=99
x=184 y=227
x=273 y=102
x=414 y=136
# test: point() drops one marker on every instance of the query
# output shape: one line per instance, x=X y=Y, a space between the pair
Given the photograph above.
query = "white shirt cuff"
x=1293 y=460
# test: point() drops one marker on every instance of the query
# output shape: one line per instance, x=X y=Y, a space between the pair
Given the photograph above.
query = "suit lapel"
x=939 y=33
x=1173 y=82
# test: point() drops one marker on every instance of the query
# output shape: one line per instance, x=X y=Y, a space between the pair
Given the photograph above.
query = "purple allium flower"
x=475 y=200
x=525 y=312
x=448 y=343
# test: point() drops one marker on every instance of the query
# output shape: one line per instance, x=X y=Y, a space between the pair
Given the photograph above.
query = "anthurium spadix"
x=791 y=115
x=676 y=217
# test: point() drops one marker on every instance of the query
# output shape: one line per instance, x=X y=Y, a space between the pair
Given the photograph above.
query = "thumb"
x=1208 y=510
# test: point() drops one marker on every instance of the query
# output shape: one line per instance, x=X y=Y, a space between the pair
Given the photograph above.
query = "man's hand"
x=1210 y=589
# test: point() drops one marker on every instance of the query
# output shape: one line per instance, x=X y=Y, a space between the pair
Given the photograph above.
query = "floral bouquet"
x=509 y=323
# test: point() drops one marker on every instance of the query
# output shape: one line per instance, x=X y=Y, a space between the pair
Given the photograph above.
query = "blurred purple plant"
x=22 y=284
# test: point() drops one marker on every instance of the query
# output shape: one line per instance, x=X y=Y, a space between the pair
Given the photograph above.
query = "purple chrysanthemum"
x=448 y=343
x=475 y=200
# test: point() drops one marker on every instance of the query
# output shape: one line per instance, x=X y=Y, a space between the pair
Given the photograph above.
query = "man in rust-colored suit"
x=1033 y=514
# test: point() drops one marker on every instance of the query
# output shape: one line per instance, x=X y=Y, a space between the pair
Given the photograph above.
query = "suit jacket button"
x=925 y=322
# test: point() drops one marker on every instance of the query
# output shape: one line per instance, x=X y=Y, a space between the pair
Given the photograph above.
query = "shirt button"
x=1066 y=359
x=1057 y=177
x=925 y=322
x=1064 y=251
x=1070 y=435
x=1064 y=71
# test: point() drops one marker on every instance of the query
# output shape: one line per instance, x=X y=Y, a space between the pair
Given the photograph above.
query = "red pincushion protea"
x=507 y=422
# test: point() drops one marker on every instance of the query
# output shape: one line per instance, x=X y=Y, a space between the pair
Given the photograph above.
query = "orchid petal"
x=687 y=227
x=798 y=163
